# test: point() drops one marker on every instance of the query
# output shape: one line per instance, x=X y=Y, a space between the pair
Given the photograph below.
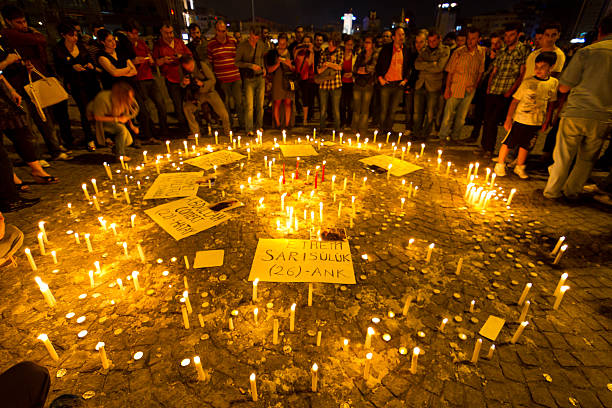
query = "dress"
x=11 y=115
x=278 y=84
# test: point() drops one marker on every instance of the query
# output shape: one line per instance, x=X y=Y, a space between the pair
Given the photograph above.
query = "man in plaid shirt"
x=508 y=70
x=331 y=58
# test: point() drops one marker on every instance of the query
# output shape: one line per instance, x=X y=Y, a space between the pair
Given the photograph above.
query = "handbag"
x=45 y=92
x=248 y=73
x=326 y=75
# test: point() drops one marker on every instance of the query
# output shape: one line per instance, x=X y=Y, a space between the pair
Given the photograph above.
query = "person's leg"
x=521 y=157
x=25 y=385
x=385 y=97
x=503 y=153
x=478 y=114
x=365 y=108
x=44 y=127
x=144 y=117
x=176 y=94
x=121 y=136
x=323 y=99
x=60 y=113
x=81 y=100
x=10 y=243
x=260 y=90
x=419 y=109
x=22 y=141
x=152 y=91
x=448 y=117
x=344 y=105
x=335 y=95
x=460 y=114
x=588 y=152
x=8 y=190
x=249 y=92
x=409 y=108
x=218 y=106
x=236 y=89
x=568 y=139
x=433 y=102
x=288 y=107
x=357 y=104
x=189 y=110
x=394 y=101
x=493 y=107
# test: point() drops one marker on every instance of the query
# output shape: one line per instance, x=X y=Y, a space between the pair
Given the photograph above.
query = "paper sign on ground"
x=492 y=327
x=172 y=185
x=208 y=259
x=300 y=260
x=298 y=150
x=399 y=167
x=220 y=158
x=185 y=217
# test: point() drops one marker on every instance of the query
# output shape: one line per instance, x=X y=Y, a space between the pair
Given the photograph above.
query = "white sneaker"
x=44 y=163
x=500 y=169
x=520 y=171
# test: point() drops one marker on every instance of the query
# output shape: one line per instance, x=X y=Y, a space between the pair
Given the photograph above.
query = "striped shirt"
x=336 y=57
x=465 y=68
x=222 y=56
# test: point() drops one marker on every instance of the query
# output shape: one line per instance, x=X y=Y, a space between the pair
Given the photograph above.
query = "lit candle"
x=368 y=339
x=108 y=171
x=54 y=256
x=524 y=294
x=476 y=166
x=518 y=332
x=45 y=339
x=422 y=149
x=561 y=283
x=491 y=351
x=403 y=200
x=339 y=209
x=292 y=318
x=524 y=311
x=459 y=265
x=255 y=282
x=469 y=171
x=562 y=291
x=488 y=175
x=103 y=357
x=187 y=301
x=216 y=137
x=444 y=321
x=345 y=344
x=410 y=242
x=413 y=363
x=132 y=218
x=275 y=332
x=127 y=195
x=185 y=315
x=319 y=333
x=493 y=176
x=41 y=244
x=168 y=146
x=560 y=254
x=406 y=305
x=476 y=352
x=44 y=289
x=96 y=204
x=472 y=303
x=310 y=294
x=315 y=377
x=84 y=187
x=30 y=259
x=76 y=238
x=403 y=152
x=120 y=283
x=321 y=212
x=122 y=162
x=368 y=365
x=255 y=313
x=512 y=192
x=88 y=242
x=323 y=171
x=135 y=280
x=253 y=387
x=140 y=253
x=157 y=166
x=558 y=246
x=389 y=171
x=429 y=251
x=114 y=191
x=198 y=366
x=91 y=277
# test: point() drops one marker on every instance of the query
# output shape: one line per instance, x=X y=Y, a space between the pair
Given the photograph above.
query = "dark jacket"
x=384 y=61
x=369 y=65
x=64 y=63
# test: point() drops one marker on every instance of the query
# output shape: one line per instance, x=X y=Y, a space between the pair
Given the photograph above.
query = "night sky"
x=321 y=12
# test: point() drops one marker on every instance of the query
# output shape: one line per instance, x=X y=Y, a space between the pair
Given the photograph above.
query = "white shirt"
x=530 y=63
x=533 y=95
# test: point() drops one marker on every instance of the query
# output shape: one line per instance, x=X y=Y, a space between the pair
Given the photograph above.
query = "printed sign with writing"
x=399 y=167
x=172 y=185
x=185 y=217
x=220 y=158
x=298 y=150
x=300 y=260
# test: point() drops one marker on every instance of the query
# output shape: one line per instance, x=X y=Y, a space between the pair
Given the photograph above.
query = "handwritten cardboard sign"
x=300 y=260
x=185 y=217
x=399 y=167
x=298 y=150
x=220 y=158
x=172 y=185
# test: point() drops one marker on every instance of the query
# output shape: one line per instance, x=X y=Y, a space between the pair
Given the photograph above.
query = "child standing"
x=530 y=111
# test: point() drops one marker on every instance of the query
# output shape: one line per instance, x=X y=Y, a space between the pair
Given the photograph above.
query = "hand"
x=447 y=93
x=12 y=58
x=403 y=83
x=123 y=118
x=382 y=81
x=78 y=67
x=29 y=66
x=199 y=83
x=89 y=65
x=256 y=68
x=134 y=128
x=168 y=60
x=508 y=124
x=362 y=71
x=16 y=98
x=186 y=81
x=139 y=60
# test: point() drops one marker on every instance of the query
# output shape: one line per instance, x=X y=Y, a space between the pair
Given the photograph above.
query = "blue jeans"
x=234 y=90
x=121 y=135
x=362 y=96
x=423 y=122
x=254 y=89
x=335 y=94
x=390 y=97
x=455 y=112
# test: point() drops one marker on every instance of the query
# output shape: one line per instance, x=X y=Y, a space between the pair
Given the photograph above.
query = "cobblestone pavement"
x=563 y=358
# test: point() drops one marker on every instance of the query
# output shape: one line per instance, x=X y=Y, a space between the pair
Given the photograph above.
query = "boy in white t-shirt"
x=529 y=112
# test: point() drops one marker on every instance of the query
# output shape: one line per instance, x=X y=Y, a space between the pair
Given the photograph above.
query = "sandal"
x=22 y=187
x=91 y=146
x=45 y=179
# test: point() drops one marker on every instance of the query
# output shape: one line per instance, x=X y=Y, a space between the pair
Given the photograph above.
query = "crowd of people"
x=356 y=83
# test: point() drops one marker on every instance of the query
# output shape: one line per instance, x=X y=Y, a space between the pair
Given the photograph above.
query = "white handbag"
x=45 y=92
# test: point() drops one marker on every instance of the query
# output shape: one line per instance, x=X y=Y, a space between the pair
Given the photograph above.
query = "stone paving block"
x=587 y=399
x=605 y=397
x=593 y=358
x=381 y=396
x=540 y=394
x=396 y=385
x=453 y=392
x=565 y=359
x=561 y=396
x=596 y=377
x=497 y=391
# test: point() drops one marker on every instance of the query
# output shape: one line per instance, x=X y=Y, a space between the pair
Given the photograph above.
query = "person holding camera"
x=199 y=83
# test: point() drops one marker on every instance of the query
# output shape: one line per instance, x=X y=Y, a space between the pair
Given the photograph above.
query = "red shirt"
x=347 y=67
x=397 y=61
x=222 y=56
x=141 y=49
x=171 y=70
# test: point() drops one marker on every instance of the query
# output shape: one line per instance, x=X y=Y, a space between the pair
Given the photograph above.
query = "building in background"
x=493 y=22
x=446 y=17
x=588 y=18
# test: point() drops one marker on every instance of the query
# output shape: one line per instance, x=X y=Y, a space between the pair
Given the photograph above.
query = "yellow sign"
x=300 y=260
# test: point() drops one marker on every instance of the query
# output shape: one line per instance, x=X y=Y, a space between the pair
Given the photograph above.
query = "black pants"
x=346 y=105
x=496 y=108
x=24 y=143
x=176 y=94
x=551 y=137
x=150 y=89
x=24 y=385
x=479 y=102
x=60 y=114
x=8 y=191
x=44 y=127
